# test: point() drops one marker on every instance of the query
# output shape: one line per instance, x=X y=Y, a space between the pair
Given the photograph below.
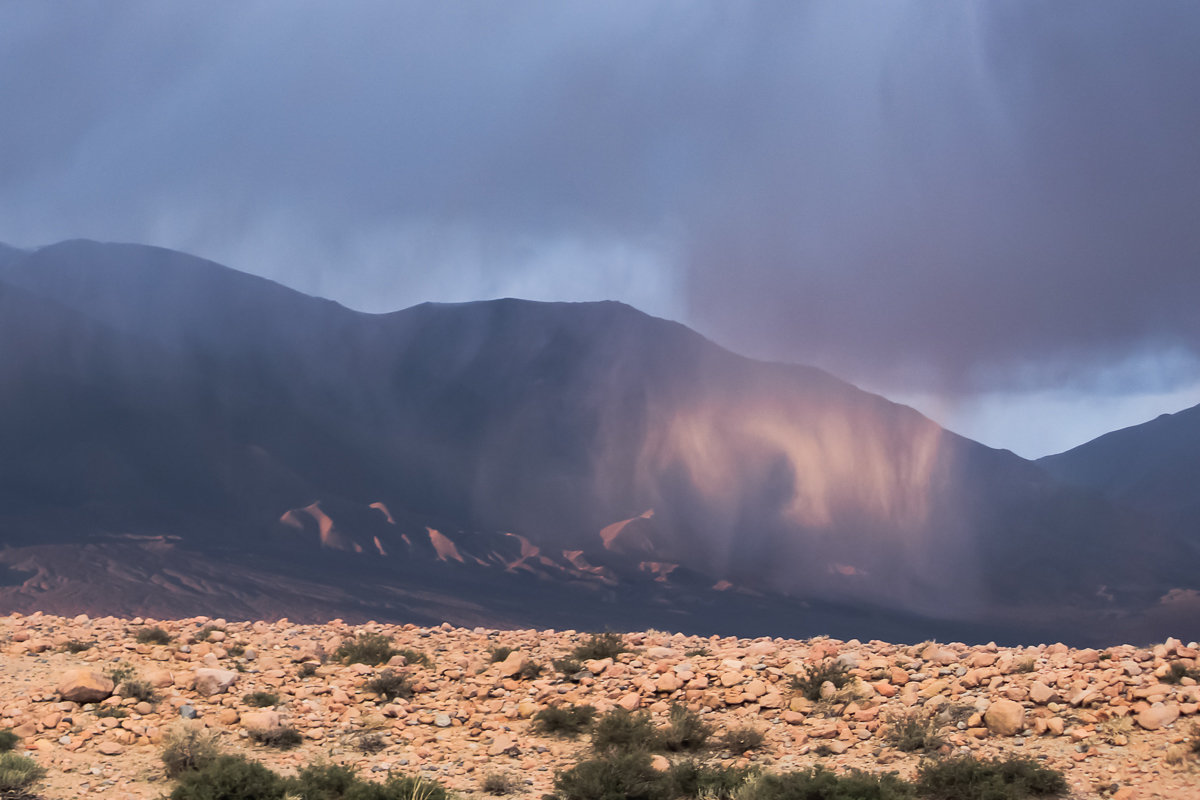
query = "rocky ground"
x=1113 y=721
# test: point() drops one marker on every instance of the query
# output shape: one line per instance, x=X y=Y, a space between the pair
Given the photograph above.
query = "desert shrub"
x=208 y=630
x=498 y=653
x=740 y=739
x=530 y=671
x=498 y=783
x=8 y=740
x=569 y=667
x=281 y=738
x=18 y=774
x=188 y=749
x=621 y=730
x=366 y=648
x=913 y=731
x=323 y=782
x=697 y=652
x=237 y=650
x=414 y=657
x=369 y=743
x=261 y=699
x=689 y=779
x=967 y=778
x=564 y=720
x=138 y=689
x=307 y=670
x=1026 y=665
x=78 y=645
x=818 y=783
x=1178 y=671
x=389 y=684
x=153 y=635
x=809 y=684
x=230 y=778
x=398 y=787
x=116 y=712
x=120 y=672
x=612 y=777
x=684 y=731
x=600 y=645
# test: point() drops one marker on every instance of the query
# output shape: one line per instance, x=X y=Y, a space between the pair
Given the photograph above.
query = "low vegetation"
x=810 y=682
x=600 y=645
x=1178 y=671
x=389 y=684
x=498 y=784
x=621 y=730
x=966 y=778
x=153 y=635
x=138 y=689
x=261 y=699
x=741 y=739
x=78 y=645
x=281 y=738
x=18 y=776
x=684 y=731
x=188 y=749
x=8 y=740
x=914 y=731
x=565 y=720
x=498 y=653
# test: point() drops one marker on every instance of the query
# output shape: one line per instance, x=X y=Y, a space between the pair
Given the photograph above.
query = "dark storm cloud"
x=958 y=196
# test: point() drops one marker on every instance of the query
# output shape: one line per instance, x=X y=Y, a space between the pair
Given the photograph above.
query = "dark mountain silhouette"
x=508 y=462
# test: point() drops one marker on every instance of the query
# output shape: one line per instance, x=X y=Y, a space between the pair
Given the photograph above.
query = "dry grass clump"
x=809 y=684
x=188 y=749
x=914 y=731
x=155 y=635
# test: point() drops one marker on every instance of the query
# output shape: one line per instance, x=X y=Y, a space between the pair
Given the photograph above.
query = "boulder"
x=1005 y=718
x=85 y=686
x=210 y=681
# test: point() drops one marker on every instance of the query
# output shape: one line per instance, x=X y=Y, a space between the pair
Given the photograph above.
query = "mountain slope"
x=566 y=453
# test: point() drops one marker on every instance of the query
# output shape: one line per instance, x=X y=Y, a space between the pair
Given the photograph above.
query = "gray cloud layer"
x=953 y=197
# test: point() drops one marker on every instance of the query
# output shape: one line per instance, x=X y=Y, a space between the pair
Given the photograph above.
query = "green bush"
x=8 y=740
x=914 y=731
x=366 y=648
x=600 y=645
x=188 y=749
x=398 y=788
x=689 y=779
x=740 y=739
x=120 y=672
x=138 y=689
x=261 y=699
x=230 y=778
x=564 y=720
x=809 y=684
x=1178 y=671
x=323 y=782
x=414 y=658
x=281 y=738
x=498 y=653
x=614 y=776
x=684 y=731
x=818 y=783
x=18 y=774
x=153 y=635
x=622 y=730
x=569 y=667
x=967 y=778
x=389 y=684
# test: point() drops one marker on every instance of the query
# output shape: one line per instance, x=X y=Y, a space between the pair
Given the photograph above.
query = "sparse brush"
x=967 y=778
x=366 y=648
x=115 y=712
x=208 y=630
x=809 y=684
x=370 y=743
x=615 y=775
x=281 y=738
x=1026 y=665
x=261 y=699
x=324 y=782
x=530 y=671
x=78 y=645
x=498 y=653
x=230 y=778
x=498 y=783
x=689 y=779
x=120 y=672
x=8 y=740
x=188 y=749
x=622 y=730
x=18 y=774
x=569 y=667
x=236 y=650
x=564 y=720
x=1178 y=671
x=697 y=652
x=414 y=658
x=912 y=731
x=742 y=738
x=684 y=731
x=818 y=783
x=153 y=635
x=138 y=689
x=307 y=670
x=600 y=645
x=389 y=684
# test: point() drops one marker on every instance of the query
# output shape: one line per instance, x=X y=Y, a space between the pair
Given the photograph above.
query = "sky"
x=990 y=211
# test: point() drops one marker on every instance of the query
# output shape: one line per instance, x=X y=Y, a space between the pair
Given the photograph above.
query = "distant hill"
x=507 y=461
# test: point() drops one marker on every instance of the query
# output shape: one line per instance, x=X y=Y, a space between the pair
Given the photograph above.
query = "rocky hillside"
x=1117 y=722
